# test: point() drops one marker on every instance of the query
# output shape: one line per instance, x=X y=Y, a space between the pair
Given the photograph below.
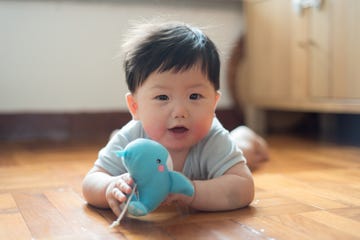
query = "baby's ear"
x=132 y=105
x=217 y=98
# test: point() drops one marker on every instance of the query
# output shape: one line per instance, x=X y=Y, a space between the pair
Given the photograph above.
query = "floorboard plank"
x=42 y=218
x=334 y=221
x=308 y=190
x=10 y=221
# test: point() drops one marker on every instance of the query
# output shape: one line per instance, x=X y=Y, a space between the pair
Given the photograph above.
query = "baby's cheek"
x=202 y=129
x=153 y=131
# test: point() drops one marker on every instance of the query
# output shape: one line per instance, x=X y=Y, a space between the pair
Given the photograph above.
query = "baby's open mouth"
x=178 y=129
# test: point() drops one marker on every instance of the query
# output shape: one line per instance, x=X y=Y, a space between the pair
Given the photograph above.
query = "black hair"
x=169 y=47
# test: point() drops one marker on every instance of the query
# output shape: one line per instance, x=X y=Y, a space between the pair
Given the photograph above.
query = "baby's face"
x=176 y=109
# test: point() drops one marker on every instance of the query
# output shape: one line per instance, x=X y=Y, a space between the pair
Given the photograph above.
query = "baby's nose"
x=180 y=111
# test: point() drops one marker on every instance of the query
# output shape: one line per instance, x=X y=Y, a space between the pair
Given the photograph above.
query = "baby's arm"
x=102 y=190
x=234 y=189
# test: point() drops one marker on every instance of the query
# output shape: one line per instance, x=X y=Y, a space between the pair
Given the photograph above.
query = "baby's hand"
x=116 y=192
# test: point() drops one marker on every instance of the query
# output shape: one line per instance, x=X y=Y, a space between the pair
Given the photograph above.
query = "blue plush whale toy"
x=145 y=160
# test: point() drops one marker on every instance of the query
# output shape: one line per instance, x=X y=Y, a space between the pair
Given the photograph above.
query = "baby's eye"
x=162 y=97
x=195 y=96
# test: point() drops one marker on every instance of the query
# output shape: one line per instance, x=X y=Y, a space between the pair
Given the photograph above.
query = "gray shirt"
x=210 y=158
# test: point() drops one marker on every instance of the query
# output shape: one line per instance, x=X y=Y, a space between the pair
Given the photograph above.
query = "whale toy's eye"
x=158 y=161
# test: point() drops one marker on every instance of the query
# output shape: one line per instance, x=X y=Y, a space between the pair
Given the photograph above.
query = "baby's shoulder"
x=131 y=131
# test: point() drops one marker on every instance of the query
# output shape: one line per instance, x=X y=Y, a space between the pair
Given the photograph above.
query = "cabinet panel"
x=268 y=54
x=319 y=55
x=345 y=73
x=335 y=50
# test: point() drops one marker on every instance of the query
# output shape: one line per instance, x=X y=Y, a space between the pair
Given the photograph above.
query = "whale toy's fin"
x=180 y=184
x=137 y=209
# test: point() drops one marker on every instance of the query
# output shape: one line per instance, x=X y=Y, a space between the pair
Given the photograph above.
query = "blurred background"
x=288 y=66
x=61 y=73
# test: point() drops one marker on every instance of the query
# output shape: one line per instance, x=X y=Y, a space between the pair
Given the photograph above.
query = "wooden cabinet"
x=308 y=60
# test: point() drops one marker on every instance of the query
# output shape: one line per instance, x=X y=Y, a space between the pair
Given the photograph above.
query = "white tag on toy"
x=169 y=163
x=122 y=214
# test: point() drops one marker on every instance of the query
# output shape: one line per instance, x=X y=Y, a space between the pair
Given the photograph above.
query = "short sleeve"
x=214 y=155
x=107 y=158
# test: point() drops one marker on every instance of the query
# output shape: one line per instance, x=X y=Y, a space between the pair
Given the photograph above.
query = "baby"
x=172 y=72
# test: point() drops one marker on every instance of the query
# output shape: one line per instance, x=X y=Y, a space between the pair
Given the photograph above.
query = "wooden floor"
x=309 y=190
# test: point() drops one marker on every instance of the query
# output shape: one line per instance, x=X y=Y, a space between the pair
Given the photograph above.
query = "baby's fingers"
x=118 y=195
x=115 y=206
x=123 y=187
x=127 y=178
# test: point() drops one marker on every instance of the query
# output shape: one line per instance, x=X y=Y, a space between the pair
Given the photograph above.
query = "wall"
x=60 y=56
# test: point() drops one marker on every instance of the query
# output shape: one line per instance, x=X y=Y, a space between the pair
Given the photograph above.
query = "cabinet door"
x=319 y=51
x=335 y=50
x=345 y=59
x=276 y=51
x=268 y=48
